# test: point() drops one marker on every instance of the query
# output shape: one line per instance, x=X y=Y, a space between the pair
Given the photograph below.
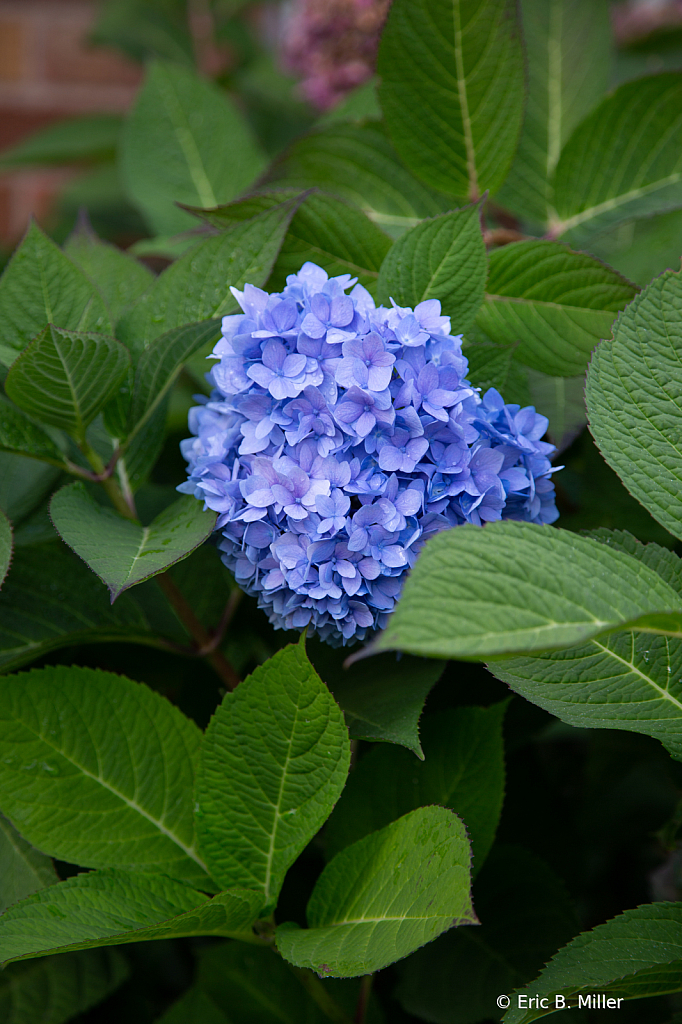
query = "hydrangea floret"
x=338 y=438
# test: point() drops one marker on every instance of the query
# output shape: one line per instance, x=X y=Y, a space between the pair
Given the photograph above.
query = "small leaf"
x=622 y=161
x=638 y=953
x=385 y=896
x=98 y=770
x=90 y=137
x=273 y=763
x=634 y=399
x=463 y=770
x=120 y=278
x=5 y=546
x=521 y=587
x=21 y=435
x=443 y=258
x=110 y=907
x=41 y=285
x=245 y=253
x=452 y=90
x=22 y=869
x=65 y=378
x=553 y=303
x=57 y=989
x=185 y=141
x=122 y=552
x=381 y=699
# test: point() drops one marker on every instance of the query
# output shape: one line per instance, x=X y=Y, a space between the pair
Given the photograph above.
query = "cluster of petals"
x=339 y=436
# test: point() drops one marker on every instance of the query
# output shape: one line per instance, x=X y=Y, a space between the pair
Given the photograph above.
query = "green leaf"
x=521 y=587
x=273 y=763
x=98 y=770
x=22 y=869
x=185 y=141
x=23 y=484
x=120 y=551
x=638 y=953
x=194 y=1005
x=109 y=907
x=41 y=285
x=65 y=377
x=629 y=681
x=197 y=286
x=143 y=30
x=120 y=278
x=443 y=258
x=525 y=915
x=452 y=90
x=385 y=896
x=463 y=770
x=381 y=699
x=59 y=988
x=562 y=401
x=553 y=303
x=634 y=399
x=568 y=47
x=21 y=435
x=5 y=545
x=494 y=366
x=358 y=163
x=91 y=137
x=622 y=161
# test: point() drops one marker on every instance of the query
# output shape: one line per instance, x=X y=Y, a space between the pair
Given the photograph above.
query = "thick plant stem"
x=316 y=990
x=363 y=999
x=200 y=635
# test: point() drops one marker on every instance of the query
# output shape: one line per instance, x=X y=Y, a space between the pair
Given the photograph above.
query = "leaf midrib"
x=631 y=667
x=560 y=306
x=190 y=151
x=560 y=227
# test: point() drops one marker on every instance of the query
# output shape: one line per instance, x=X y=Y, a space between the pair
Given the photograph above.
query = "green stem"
x=116 y=496
x=317 y=992
x=363 y=999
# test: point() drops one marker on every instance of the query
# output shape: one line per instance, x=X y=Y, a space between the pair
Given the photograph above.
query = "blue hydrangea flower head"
x=338 y=438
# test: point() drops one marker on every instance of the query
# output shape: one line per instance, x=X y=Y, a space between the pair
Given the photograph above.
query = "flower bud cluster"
x=339 y=437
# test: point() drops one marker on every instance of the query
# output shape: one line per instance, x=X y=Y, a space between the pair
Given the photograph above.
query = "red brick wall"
x=48 y=71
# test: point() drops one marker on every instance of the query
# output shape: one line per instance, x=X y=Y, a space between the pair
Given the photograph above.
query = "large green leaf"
x=552 y=303
x=90 y=137
x=41 y=285
x=628 y=681
x=525 y=916
x=636 y=954
x=520 y=587
x=120 y=278
x=22 y=869
x=197 y=286
x=568 y=53
x=463 y=770
x=622 y=161
x=634 y=399
x=185 y=141
x=381 y=699
x=110 y=907
x=385 y=896
x=273 y=763
x=5 y=545
x=23 y=484
x=66 y=377
x=98 y=770
x=56 y=989
x=358 y=163
x=452 y=90
x=120 y=551
x=21 y=435
x=443 y=258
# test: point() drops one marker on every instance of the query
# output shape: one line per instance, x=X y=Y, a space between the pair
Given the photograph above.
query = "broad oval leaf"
x=98 y=770
x=110 y=907
x=23 y=870
x=622 y=161
x=90 y=137
x=66 y=377
x=385 y=896
x=634 y=399
x=463 y=769
x=443 y=258
x=41 y=285
x=120 y=278
x=636 y=954
x=273 y=763
x=552 y=304
x=120 y=551
x=21 y=435
x=515 y=586
x=452 y=90
x=185 y=141
x=5 y=546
